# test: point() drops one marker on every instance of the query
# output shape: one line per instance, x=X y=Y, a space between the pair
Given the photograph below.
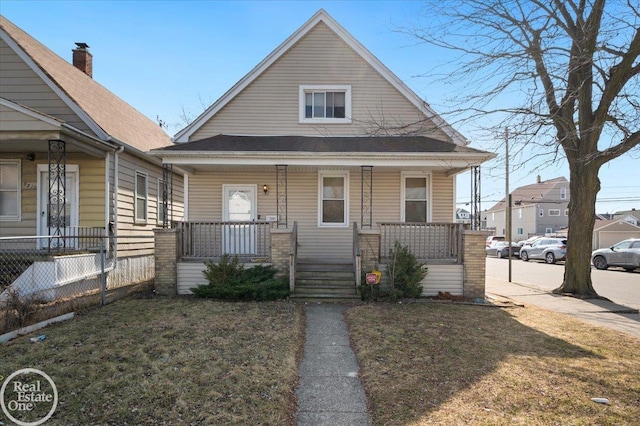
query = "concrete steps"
x=325 y=282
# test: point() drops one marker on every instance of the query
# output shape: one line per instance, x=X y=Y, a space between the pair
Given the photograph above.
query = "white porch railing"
x=211 y=240
x=441 y=241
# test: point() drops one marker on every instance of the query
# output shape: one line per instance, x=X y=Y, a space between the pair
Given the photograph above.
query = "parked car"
x=492 y=238
x=500 y=249
x=528 y=241
x=548 y=249
x=625 y=254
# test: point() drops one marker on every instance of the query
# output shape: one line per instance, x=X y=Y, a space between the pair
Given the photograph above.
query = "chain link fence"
x=41 y=277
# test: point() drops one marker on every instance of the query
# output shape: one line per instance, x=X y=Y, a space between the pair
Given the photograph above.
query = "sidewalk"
x=598 y=312
x=330 y=392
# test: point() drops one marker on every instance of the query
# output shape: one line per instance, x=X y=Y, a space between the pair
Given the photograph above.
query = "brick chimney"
x=83 y=59
x=538 y=180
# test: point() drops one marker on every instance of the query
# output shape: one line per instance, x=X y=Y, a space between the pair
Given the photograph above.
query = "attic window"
x=325 y=104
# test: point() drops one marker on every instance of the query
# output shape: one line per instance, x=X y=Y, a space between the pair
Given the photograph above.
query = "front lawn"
x=169 y=361
x=460 y=364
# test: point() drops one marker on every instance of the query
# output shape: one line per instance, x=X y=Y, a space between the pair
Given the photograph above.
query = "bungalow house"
x=73 y=161
x=319 y=159
x=537 y=209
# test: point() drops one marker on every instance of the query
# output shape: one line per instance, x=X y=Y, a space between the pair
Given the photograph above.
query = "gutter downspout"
x=107 y=192
x=115 y=202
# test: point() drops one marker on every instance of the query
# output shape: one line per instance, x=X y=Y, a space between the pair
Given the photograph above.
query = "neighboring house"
x=632 y=216
x=538 y=209
x=73 y=158
x=463 y=216
x=609 y=232
x=322 y=134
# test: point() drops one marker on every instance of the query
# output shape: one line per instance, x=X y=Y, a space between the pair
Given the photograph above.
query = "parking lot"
x=615 y=284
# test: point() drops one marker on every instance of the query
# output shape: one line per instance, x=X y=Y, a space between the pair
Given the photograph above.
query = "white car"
x=625 y=254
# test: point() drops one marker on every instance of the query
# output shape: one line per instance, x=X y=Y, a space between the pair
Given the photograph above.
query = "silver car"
x=548 y=249
x=625 y=254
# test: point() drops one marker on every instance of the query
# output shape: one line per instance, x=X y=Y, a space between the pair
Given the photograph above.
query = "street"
x=615 y=284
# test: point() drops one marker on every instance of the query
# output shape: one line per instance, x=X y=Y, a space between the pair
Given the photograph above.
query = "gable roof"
x=601 y=224
x=108 y=116
x=321 y=16
x=531 y=194
x=633 y=212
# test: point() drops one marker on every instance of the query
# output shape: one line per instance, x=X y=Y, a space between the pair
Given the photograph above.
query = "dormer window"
x=325 y=104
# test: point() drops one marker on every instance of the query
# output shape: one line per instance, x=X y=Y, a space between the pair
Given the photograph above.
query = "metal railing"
x=293 y=257
x=357 y=255
x=211 y=240
x=442 y=241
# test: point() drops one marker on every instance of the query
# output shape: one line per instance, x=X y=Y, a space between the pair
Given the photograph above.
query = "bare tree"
x=565 y=75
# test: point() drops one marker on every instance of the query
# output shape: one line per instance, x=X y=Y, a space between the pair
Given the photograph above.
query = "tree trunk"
x=584 y=186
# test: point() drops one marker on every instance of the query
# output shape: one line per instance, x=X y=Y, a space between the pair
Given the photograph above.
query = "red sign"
x=372 y=279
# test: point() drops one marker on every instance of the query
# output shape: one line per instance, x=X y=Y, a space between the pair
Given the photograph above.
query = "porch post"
x=167 y=173
x=366 y=196
x=281 y=195
x=475 y=199
x=474 y=258
x=166 y=261
x=56 y=202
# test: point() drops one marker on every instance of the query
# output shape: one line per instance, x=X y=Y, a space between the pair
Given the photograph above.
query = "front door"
x=49 y=219
x=239 y=206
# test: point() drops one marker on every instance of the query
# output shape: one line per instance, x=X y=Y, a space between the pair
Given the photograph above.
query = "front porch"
x=181 y=253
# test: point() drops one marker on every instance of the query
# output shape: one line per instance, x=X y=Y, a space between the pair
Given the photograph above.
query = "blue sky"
x=170 y=57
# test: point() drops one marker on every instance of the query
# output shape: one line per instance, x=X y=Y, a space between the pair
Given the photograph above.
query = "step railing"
x=293 y=257
x=357 y=255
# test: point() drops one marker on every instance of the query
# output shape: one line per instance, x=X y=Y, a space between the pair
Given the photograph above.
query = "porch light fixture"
x=265 y=189
x=31 y=156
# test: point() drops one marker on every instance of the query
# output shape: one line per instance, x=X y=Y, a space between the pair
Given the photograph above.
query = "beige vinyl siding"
x=21 y=84
x=205 y=203
x=15 y=121
x=444 y=278
x=270 y=104
x=128 y=164
x=91 y=196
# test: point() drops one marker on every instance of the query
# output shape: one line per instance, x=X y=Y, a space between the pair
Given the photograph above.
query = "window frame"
x=520 y=231
x=403 y=198
x=136 y=196
x=541 y=212
x=18 y=216
x=344 y=174
x=309 y=88
x=566 y=212
x=563 y=192
x=553 y=212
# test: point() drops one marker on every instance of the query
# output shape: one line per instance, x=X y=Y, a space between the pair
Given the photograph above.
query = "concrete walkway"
x=330 y=392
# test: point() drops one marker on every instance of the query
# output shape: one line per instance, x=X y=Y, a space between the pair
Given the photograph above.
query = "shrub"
x=230 y=280
x=404 y=272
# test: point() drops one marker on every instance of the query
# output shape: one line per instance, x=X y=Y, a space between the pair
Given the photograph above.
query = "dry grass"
x=169 y=361
x=457 y=364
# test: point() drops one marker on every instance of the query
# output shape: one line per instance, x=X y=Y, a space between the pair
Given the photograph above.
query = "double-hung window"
x=416 y=198
x=141 y=198
x=325 y=104
x=333 y=190
x=554 y=212
x=9 y=190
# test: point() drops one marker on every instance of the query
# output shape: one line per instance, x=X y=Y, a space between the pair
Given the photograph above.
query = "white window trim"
x=566 y=212
x=159 y=220
x=403 y=177
x=333 y=173
x=18 y=216
x=554 y=212
x=548 y=231
x=346 y=88
x=563 y=193
x=136 y=196
x=520 y=231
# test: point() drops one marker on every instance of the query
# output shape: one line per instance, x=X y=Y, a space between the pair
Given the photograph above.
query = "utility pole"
x=507 y=198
